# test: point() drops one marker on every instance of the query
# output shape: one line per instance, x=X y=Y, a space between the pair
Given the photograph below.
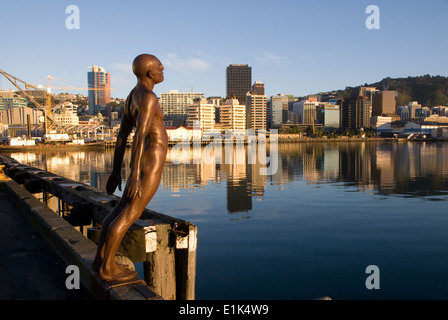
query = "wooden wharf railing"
x=165 y=245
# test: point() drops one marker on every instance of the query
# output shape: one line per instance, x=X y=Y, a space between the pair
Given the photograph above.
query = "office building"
x=201 y=114
x=238 y=81
x=277 y=110
x=12 y=102
x=356 y=112
x=412 y=107
x=378 y=121
x=403 y=112
x=258 y=88
x=328 y=115
x=384 y=103
x=15 y=114
x=368 y=92
x=305 y=110
x=422 y=112
x=440 y=110
x=255 y=111
x=217 y=102
x=99 y=97
x=326 y=96
x=233 y=115
x=67 y=115
x=174 y=105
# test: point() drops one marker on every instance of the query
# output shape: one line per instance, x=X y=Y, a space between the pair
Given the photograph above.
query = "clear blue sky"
x=294 y=47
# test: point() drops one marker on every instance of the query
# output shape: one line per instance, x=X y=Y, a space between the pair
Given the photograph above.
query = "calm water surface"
x=312 y=228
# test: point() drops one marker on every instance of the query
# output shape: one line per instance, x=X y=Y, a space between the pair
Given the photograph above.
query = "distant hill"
x=429 y=91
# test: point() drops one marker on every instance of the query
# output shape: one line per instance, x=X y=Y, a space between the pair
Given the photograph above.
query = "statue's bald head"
x=144 y=63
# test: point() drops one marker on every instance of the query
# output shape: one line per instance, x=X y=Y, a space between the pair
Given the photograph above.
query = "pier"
x=68 y=215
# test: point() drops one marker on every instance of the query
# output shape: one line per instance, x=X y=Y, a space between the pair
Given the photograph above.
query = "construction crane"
x=49 y=120
x=70 y=88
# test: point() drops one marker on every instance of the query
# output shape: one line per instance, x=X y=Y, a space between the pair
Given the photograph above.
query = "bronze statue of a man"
x=149 y=149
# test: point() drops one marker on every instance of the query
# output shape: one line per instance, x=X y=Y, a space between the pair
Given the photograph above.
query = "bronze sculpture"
x=149 y=149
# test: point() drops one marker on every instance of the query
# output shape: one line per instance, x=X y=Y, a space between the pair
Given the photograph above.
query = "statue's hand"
x=113 y=181
x=133 y=187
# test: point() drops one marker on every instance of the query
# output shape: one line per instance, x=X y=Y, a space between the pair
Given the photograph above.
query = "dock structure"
x=68 y=214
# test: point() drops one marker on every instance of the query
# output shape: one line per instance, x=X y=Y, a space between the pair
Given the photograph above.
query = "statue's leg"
x=104 y=228
x=153 y=162
x=109 y=269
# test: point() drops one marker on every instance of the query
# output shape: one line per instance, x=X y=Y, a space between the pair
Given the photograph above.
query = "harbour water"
x=312 y=227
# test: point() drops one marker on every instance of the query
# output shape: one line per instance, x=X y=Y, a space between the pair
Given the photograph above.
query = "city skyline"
x=296 y=48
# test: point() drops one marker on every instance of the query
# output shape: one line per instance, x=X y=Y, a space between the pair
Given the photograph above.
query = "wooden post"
x=51 y=201
x=159 y=267
x=186 y=264
x=93 y=233
x=28 y=126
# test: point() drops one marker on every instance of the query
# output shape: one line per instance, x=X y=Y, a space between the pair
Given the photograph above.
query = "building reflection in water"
x=409 y=169
x=232 y=166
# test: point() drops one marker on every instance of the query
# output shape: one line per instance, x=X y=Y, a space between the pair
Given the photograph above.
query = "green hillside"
x=429 y=91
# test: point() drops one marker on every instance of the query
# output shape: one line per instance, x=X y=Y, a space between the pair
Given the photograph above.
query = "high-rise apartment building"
x=239 y=81
x=175 y=104
x=202 y=114
x=99 y=97
x=255 y=111
x=233 y=115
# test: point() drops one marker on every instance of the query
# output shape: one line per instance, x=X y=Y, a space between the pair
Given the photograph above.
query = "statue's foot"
x=117 y=272
x=96 y=264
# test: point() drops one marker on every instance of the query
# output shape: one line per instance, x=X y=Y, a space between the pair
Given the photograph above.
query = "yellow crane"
x=68 y=88
x=49 y=121
x=14 y=80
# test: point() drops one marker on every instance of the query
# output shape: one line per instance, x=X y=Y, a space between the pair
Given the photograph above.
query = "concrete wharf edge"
x=74 y=248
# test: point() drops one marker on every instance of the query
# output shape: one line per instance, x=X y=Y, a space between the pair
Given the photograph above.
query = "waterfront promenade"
x=29 y=267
